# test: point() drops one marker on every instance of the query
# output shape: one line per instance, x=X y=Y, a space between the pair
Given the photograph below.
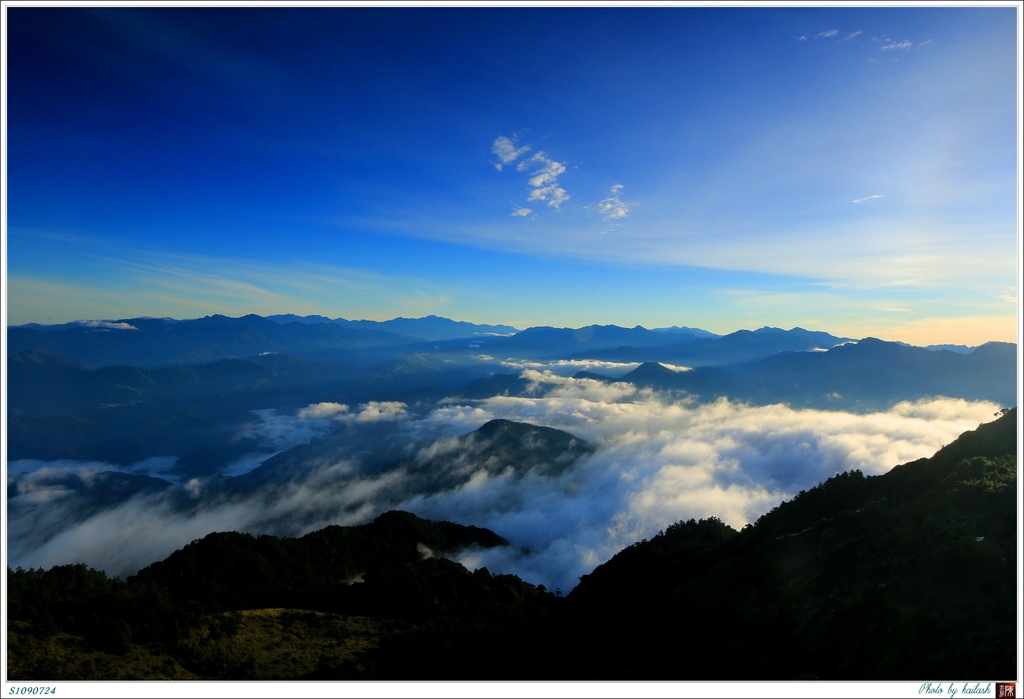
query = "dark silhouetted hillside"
x=345 y=586
x=907 y=575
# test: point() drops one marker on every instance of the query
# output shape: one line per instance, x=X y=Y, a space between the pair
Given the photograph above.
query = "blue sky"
x=843 y=169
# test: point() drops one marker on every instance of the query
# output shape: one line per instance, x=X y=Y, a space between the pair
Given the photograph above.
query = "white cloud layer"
x=657 y=461
x=568 y=367
x=105 y=325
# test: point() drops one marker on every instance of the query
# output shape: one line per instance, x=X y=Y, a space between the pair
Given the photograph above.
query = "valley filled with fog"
x=626 y=454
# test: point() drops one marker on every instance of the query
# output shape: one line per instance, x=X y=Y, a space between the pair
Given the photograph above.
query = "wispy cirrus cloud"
x=176 y=284
x=890 y=45
x=1010 y=295
x=830 y=34
x=868 y=198
x=901 y=45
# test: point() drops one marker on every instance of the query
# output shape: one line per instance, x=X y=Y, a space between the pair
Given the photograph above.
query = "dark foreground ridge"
x=909 y=575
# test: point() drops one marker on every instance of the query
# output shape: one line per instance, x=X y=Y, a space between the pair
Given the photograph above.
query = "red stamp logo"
x=1006 y=690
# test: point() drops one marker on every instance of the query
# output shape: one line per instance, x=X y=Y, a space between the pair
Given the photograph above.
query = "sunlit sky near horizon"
x=848 y=169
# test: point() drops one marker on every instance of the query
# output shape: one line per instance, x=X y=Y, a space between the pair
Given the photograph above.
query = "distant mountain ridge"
x=683 y=329
x=428 y=328
x=868 y=374
x=552 y=342
x=151 y=342
x=739 y=346
x=148 y=342
x=155 y=342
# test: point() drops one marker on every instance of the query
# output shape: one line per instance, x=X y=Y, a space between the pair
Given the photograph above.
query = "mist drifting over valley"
x=570 y=459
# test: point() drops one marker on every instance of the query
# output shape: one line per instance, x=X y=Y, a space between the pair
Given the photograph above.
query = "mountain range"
x=869 y=374
x=161 y=342
x=123 y=391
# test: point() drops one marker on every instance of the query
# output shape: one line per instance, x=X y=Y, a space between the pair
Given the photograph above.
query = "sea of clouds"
x=658 y=460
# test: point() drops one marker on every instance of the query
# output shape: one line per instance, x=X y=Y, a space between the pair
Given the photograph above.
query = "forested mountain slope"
x=905 y=575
